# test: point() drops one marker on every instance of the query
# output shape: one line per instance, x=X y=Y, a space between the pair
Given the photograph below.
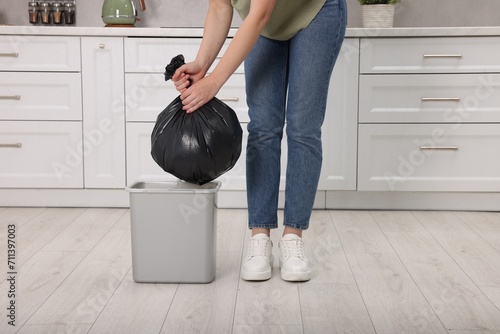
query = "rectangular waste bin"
x=173 y=227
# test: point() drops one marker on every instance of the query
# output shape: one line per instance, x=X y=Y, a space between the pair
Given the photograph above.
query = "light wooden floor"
x=374 y=272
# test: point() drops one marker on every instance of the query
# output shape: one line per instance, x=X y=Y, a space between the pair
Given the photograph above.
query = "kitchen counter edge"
x=198 y=32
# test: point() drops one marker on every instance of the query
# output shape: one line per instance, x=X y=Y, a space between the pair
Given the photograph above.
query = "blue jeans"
x=288 y=81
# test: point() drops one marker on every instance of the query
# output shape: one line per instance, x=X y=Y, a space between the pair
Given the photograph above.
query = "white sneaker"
x=293 y=262
x=257 y=265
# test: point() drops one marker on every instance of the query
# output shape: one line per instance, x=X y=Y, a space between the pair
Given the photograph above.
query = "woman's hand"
x=198 y=94
x=194 y=87
x=186 y=75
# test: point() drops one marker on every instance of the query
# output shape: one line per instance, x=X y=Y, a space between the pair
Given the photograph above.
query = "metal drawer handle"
x=12 y=55
x=443 y=56
x=10 y=97
x=440 y=99
x=230 y=99
x=440 y=148
x=16 y=145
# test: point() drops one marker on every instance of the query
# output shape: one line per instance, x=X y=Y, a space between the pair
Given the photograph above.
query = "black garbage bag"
x=196 y=147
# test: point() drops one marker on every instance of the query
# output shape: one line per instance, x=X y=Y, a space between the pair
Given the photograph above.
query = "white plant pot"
x=378 y=16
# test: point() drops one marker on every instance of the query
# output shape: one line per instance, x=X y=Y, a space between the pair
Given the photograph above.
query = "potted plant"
x=378 y=13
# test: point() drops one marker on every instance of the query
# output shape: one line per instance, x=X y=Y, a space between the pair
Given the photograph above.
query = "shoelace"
x=258 y=248
x=293 y=248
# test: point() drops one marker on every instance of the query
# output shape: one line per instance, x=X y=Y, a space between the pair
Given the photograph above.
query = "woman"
x=289 y=48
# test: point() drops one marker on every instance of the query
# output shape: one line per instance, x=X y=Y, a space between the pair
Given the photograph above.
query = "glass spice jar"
x=69 y=13
x=45 y=12
x=33 y=12
x=57 y=12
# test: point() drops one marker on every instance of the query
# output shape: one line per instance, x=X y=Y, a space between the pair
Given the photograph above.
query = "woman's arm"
x=204 y=88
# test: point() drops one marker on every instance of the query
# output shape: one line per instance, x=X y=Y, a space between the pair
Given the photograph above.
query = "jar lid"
x=45 y=4
x=32 y=4
x=69 y=4
x=56 y=4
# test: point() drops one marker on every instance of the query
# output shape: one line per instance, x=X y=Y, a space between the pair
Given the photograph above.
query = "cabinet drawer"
x=421 y=98
x=429 y=157
x=40 y=96
x=41 y=154
x=430 y=55
x=147 y=94
x=39 y=53
x=151 y=55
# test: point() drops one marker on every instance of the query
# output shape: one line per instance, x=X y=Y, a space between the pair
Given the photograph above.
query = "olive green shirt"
x=288 y=17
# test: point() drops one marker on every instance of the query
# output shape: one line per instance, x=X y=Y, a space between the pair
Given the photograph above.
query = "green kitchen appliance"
x=120 y=13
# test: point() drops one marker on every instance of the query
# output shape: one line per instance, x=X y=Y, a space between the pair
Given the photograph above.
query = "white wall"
x=191 y=13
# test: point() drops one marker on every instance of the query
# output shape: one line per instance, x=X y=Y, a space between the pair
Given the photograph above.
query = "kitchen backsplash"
x=191 y=13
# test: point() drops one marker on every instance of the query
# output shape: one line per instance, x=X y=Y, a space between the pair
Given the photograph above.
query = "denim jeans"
x=287 y=82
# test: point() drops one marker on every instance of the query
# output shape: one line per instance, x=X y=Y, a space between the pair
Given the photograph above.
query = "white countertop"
x=198 y=32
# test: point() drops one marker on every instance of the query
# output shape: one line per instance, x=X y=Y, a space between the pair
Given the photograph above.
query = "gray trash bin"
x=173 y=227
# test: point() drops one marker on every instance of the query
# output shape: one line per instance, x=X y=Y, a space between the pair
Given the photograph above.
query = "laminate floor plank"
x=135 y=308
x=477 y=258
x=84 y=294
x=333 y=308
x=493 y=294
x=84 y=233
x=394 y=302
x=455 y=299
x=123 y=222
x=267 y=329
x=206 y=308
x=16 y=216
x=458 y=331
x=55 y=329
x=38 y=229
x=359 y=233
x=325 y=252
x=35 y=281
x=486 y=224
x=231 y=228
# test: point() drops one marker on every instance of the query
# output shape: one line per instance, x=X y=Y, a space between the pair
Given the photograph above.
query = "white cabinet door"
x=41 y=154
x=40 y=96
x=341 y=122
x=103 y=112
x=140 y=163
x=429 y=98
x=429 y=157
x=430 y=55
x=39 y=53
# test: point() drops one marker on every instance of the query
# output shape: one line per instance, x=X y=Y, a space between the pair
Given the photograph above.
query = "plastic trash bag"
x=196 y=147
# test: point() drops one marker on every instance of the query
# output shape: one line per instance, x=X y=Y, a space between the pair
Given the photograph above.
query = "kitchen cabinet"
x=340 y=128
x=429 y=115
x=40 y=112
x=104 y=112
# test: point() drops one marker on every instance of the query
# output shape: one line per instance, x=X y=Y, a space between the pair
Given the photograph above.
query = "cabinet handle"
x=10 y=97
x=102 y=46
x=439 y=148
x=443 y=56
x=440 y=99
x=16 y=145
x=12 y=55
x=229 y=99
